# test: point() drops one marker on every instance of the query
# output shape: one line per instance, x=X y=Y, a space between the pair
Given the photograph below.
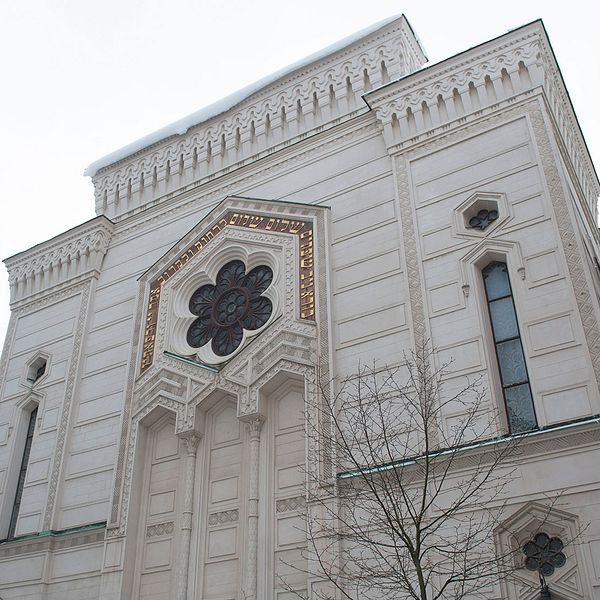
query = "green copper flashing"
x=56 y=532
x=190 y=361
x=471 y=446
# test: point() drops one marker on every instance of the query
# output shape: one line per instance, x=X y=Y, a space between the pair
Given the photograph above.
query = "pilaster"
x=253 y=427
x=191 y=440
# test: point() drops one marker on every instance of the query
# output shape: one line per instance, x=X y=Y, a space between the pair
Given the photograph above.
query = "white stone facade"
x=158 y=470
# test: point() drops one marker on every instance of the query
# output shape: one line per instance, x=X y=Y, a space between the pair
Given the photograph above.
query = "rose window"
x=224 y=310
x=544 y=554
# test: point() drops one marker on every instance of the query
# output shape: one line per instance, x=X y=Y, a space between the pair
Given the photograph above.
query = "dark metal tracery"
x=224 y=310
x=544 y=554
x=483 y=219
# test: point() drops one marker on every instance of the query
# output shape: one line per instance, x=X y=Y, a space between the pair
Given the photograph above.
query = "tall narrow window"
x=509 y=350
x=19 y=494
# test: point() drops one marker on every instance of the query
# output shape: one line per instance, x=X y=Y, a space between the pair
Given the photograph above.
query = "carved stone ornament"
x=319 y=96
x=537 y=533
x=59 y=262
x=258 y=233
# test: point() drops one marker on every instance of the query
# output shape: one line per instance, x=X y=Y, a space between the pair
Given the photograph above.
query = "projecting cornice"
x=314 y=95
x=480 y=81
x=59 y=262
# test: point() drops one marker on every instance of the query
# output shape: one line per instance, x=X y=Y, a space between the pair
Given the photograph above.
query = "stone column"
x=254 y=426
x=191 y=440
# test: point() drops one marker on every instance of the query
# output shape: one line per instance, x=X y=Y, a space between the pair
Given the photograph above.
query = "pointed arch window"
x=22 y=473
x=509 y=349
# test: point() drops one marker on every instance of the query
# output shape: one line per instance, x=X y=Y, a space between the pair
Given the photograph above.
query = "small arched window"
x=509 y=349
x=37 y=369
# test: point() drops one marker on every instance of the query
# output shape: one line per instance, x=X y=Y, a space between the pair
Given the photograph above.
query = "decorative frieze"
x=60 y=261
x=476 y=82
x=322 y=94
x=290 y=504
x=159 y=529
x=225 y=516
x=81 y=537
x=458 y=86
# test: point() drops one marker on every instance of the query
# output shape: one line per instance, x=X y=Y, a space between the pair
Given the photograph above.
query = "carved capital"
x=254 y=425
x=191 y=440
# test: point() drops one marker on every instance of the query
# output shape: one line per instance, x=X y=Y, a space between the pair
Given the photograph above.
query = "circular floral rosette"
x=544 y=554
x=224 y=310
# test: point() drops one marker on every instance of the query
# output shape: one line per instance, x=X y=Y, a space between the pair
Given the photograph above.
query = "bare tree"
x=419 y=477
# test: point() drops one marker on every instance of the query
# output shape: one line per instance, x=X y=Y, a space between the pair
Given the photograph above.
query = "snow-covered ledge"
x=314 y=94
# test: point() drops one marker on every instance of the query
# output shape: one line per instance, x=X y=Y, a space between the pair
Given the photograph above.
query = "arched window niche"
x=506 y=338
x=24 y=432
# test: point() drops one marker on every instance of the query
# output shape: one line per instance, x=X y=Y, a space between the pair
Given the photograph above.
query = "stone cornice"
x=306 y=101
x=478 y=81
x=63 y=260
x=213 y=191
x=543 y=444
x=457 y=70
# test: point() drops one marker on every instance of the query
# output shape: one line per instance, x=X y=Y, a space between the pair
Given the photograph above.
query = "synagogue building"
x=163 y=358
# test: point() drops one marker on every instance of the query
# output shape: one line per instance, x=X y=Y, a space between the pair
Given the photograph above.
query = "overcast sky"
x=81 y=79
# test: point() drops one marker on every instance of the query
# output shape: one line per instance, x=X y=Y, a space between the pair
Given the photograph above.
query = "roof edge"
x=183 y=125
x=429 y=69
x=98 y=222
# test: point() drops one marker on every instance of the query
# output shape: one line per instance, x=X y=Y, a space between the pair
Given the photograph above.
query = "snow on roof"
x=181 y=126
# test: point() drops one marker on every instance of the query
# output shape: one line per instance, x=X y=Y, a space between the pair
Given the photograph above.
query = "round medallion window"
x=224 y=310
x=544 y=554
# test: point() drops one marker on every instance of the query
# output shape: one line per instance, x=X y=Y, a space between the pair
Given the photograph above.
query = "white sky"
x=81 y=79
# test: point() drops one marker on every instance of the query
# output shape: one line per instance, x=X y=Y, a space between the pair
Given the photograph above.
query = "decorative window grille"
x=224 y=310
x=40 y=371
x=509 y=349
x=544 y=554
x=21 y=481
x=483 y=219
